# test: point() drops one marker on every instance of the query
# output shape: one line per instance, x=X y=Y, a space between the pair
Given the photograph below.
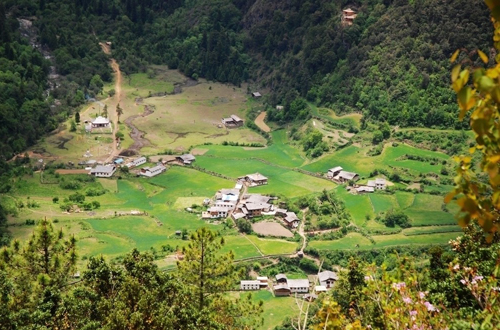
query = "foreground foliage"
x=39 y=290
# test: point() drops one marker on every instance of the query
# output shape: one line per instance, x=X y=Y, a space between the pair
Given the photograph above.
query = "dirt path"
x=301 y=230
x=324 y=231
x=259 y=121
x=112 y=115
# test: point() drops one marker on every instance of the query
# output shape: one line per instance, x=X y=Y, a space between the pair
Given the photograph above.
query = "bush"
x=244 y=226
x=393 y=218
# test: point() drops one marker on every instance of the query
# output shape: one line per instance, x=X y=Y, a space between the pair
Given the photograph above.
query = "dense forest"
x=391 y=64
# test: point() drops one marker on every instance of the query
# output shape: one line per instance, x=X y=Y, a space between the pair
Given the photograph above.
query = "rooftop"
x=299 y=283
x=347 y=175
x=102 y=169
x=327 y=274
x=336 y=169
x=256 y=177
x=236 y=118
x=187 y=157
x=100 y=120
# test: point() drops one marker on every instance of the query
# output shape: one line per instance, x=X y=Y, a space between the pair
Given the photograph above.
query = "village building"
x=100 y=122
x=227 y=195
x=291 y=220
x=327 y=278
x=250 y=285
x=256 y=95
x=333 y=172
x=263 y=281
x=348 y=16
x=254 y=180
x=153 y=171
x=380 y=184
x=280 y=212
x=281 y=278
x=137 y=162
x=345 y=176
x=232 y=121
x=364 y=189
x=281 y=290
x=298 y=285
x=279 y=107
x=215 y=212
x=310 y=297
x=118 y=161
x=320 y=289
x=102 y=171
x=186 y=159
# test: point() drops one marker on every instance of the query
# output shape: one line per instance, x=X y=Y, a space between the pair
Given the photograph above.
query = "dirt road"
x=259 y=121
x=112 y=115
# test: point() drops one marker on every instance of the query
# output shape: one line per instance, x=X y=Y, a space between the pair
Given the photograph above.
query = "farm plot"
x=281 y=182
x=359 y=206
x=432 y=230
x=271 y=229
x=426 y=211
x=241 y=247
x=383 y=203
x=353 y=159
x=279 y=153
x=193 y=117
x=273 y=246
x=357 y=241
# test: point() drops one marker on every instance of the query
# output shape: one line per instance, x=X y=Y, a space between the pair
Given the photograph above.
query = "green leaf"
x=486 y=83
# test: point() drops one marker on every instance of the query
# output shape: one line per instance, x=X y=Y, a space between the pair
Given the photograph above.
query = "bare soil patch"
x=259 y=121
x=198 y=152
x=80 y=171
x=271 y=229
x=414 y=186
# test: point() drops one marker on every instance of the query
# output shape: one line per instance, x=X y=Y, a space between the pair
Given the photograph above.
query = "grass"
x=354 y=159
x=358 y=205
x=273 y=246
x=383 y=203
x=431 y=230
x=281 y=182
x=241 y=247
x=275 y=309
x=279 y=153
x=405 y=199
x=382 y=241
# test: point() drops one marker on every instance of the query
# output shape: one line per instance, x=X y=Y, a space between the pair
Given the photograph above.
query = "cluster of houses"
x=231 y=202
x=283 y=286
x=107 y=170
x=340 y=176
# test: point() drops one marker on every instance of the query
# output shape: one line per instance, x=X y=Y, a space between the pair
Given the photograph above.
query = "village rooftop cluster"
x=283 y=286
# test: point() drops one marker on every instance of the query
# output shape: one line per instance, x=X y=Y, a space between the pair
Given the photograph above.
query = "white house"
x=100 y=122
x=136 y=162
x=345 y=176
x=334 y=171
x=299 y=285
x=186 y=159
x=380 y=183
x=153 y=171
x=250 y=285
x=327 y=278
x=103 y=171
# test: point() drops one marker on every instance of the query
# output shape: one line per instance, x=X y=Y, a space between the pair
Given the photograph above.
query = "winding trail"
x=301 y=230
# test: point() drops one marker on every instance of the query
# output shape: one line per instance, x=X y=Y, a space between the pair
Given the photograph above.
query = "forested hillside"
x=391 y=64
